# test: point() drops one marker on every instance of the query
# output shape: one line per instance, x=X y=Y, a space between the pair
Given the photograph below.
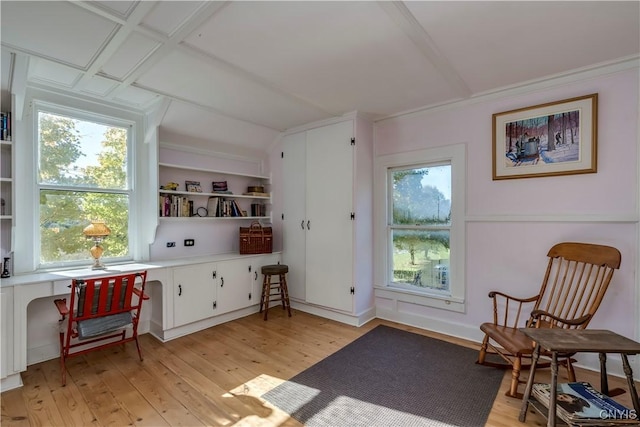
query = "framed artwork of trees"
x=557 y=138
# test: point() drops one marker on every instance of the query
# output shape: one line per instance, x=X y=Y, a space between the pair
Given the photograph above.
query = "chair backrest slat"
x=577 y=277
x=97 y=297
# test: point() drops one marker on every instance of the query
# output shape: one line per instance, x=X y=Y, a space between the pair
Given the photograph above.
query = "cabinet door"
x=234 y=285
x=329 y=204
x=194 y=293
x=295 y=217
x=6 y=332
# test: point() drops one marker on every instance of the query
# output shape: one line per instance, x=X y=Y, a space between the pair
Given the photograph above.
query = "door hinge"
x=353 y=290
x=353 y=141
x=282 y=154
x=283 y=217
x=249 y=269
x=353 y=216
x=213 y=274
x=249 y=295
x=215 y=304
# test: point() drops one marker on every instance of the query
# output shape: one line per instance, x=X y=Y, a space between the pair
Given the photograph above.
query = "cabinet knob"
x=302 y=224
x=309 y=225
x=221 y=281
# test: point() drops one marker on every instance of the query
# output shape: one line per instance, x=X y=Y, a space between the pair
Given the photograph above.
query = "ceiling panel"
x=59 y=30
x=167 y=16
x=496 y=44
x=342 y=55
x=184 y=119
x=47 y=72
x=99 y=86
x=224 y=90
x=132 y=52
x=120 y=7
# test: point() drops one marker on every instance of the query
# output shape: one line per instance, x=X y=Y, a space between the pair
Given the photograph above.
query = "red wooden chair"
x=102 y=310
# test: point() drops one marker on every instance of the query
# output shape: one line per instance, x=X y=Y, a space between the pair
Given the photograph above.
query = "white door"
x=295 y=218
x=194 y=293
x=329 y=235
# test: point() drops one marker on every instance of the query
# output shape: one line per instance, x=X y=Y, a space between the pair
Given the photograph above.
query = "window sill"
x=427 y=300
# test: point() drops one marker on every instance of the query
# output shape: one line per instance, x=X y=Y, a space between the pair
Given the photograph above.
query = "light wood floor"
x=210 y=378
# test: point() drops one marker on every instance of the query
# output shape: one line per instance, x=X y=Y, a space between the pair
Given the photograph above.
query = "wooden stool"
x=281 y=294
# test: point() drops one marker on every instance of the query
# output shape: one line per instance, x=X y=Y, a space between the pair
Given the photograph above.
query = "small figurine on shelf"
x=5 y=268
x=173 y=186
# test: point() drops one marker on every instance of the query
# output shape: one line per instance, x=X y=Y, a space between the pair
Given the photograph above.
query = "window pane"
x=63 y=216
x=421 y=258
x=75 y=152
x=422 y=195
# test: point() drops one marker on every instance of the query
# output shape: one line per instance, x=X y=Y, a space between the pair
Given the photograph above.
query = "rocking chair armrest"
x=61 y=305
x=493 y=295
x=140 y=294
x=537 y=314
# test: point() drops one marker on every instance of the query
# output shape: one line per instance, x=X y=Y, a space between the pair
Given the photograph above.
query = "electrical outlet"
x=189 y=242
x=171 y=244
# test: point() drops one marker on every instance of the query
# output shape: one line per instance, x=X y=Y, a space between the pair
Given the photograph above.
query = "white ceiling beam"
x=154 y=117
x=18 y=82
x=404 y=19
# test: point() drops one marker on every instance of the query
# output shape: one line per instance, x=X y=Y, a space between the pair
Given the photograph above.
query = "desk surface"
x=582 y=340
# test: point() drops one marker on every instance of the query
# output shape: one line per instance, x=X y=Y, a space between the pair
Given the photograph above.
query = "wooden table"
x=559 y=341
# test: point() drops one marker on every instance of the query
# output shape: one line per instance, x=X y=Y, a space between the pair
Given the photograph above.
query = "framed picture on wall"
x=557 y=138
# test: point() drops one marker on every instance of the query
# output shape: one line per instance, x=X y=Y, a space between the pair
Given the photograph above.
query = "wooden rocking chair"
x=103 y=309
x=577 y=277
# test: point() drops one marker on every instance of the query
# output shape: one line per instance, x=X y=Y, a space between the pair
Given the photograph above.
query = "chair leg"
x=267 y=295
x=515 y=377
x=264 y=286
x=483 y=350
x=138 y=345
x=284 y=291
x=63 y=368
x=571 y=373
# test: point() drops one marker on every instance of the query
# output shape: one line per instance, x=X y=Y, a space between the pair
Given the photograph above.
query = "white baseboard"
x=10 y=382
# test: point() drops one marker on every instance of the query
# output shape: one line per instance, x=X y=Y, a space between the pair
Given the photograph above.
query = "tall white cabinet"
x=327 y=222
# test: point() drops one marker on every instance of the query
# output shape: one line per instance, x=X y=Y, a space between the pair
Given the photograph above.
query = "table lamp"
x=97 y=231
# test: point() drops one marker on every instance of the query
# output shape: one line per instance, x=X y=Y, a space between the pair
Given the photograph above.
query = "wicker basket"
x=256 y=239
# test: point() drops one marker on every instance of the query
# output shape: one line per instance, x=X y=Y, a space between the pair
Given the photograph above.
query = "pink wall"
x=512 y=223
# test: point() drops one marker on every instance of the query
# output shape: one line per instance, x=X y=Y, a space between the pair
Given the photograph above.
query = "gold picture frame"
x=556 y=138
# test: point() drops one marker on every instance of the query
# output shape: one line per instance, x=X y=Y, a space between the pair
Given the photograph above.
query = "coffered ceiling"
x=241 y=72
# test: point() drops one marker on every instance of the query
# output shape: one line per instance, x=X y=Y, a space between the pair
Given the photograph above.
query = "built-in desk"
x=17 y=292
x=558 y=341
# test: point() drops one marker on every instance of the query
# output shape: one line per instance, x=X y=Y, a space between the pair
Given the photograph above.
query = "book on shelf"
x=579 y=403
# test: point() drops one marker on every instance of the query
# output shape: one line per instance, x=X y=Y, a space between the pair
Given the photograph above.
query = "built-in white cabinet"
x=203 y=294
x=194 y=293
x=327 y=215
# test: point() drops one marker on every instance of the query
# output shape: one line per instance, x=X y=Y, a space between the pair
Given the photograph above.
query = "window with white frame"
x=419 y=205
x=83 y=173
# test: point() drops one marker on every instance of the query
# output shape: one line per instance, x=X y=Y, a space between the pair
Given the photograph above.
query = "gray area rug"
x=391 y=377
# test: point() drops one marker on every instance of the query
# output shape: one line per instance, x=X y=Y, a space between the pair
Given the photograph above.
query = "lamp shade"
x=96 y=229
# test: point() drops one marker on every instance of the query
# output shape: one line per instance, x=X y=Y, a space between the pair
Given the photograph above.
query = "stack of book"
x=5 y=126
x=172 y=205
x=222 y=207
x=580 y=404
